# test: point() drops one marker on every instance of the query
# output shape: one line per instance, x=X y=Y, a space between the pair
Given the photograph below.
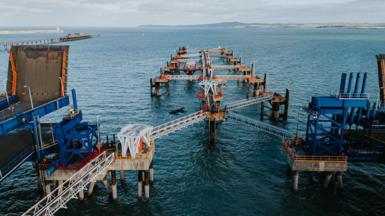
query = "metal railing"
x=231 y=77
x=169 y=127
x=58 y=198
x=200 y=77
x=312 y=158
x=181 y=77
x=262 y=126
x=8 y=45
x=250 y=101
x=225 y=67
x=353 y=96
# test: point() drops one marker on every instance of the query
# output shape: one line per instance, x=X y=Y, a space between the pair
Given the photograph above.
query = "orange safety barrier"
x=264 y=92
x=200 y=95
x=313 y=158
x=64 y=72
x=140 y=145
x=14 y=74
x=164 y=77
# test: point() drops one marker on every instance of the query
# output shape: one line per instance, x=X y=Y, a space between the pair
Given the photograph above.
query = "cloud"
x=137 y=12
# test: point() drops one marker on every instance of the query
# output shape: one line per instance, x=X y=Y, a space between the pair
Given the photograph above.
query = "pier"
x=79 y=165
x=71 y=157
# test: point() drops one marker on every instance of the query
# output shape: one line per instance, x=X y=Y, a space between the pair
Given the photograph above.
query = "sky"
x=129 y=13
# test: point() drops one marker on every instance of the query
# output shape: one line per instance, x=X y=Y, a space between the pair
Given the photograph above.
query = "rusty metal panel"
x=39 y=67
x=381 y=76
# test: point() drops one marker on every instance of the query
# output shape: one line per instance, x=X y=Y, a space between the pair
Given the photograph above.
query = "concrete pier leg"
x=91 y=188
x=47 y=189
x=115 y=192
x=81 y=193
x=264 y=82
x=105 y=182
x=157 y=89
x=255 y=88
x=147 y=184
x=122 y=176
x=275 y=111
x=60 y=185
x=140 y=184
x=212 y=131
x=286 y=110
x=295 y=180
x=151 y=173
x=262 y=111
x=327 y=179
x=151 y=87
x=339 y=180
x=114 y=186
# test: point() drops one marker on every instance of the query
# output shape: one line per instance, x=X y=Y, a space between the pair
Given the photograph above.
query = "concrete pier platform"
x=299 y=161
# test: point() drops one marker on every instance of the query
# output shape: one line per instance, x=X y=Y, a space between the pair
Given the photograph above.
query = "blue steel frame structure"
x=330 y=116
x=74 y=139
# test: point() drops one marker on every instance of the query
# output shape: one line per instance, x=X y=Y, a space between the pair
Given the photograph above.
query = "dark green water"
x=245 y=173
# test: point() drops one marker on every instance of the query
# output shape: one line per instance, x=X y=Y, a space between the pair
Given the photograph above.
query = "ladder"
x=58 y=198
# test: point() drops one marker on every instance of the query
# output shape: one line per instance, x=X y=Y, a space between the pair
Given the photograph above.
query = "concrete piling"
x=91 y=188
x=327 y=179
x=140 y=184
x=295 y=180
x=81 y=192
x=146 y=184
x=157 y=89
x=106 y=185
x=152 y=87
x=339 y=180
x=262 y=111
x=151 y=173
x=286 y=104
x=264 y=82
x=60 y=185
x=47 y=189
x=114 y=185
x=275 y=111
x=212 y=131
x=122 y=176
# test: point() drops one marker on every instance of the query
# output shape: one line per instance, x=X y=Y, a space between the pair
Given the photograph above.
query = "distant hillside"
x=274 y=25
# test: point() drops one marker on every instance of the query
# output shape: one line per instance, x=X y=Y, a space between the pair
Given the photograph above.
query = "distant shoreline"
x=277 y=25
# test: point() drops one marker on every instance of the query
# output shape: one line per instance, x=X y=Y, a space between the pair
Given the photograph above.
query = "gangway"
x=262 y=126
x=59 y=197
x=177 y=124
x=6 y=46
x=250 y=101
